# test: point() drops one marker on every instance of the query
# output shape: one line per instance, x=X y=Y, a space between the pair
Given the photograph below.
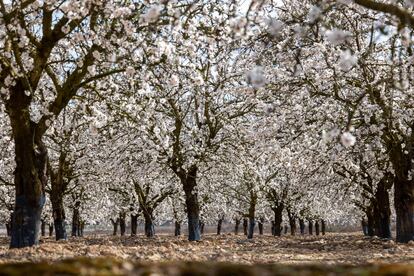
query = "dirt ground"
x=332 y=249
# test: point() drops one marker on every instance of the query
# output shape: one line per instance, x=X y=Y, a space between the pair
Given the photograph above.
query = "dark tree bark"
x=237 y=226
x=310 y=227
x=149 y=226
x=134 y=225
x=285 y=229
x=292 y=222
x=323 y=227
x=115 y=226
x=8 y=229
x=219 y=224
x=381 y=207
x=404 y=208
x=252 y=225
x=370 y=222
x=122 y=223
x=30 y=174
x=177 y=230
x=202 y=224
x=261 y=220
x=403 y=184
x=75 y=220
x=189 y=183
x=245 y=226
x=364 y=226
x=278 y=220
x=252 y=221
x=302 y=226
x=81 y=228
x=317 y=228
x=60 y=223
x=51 y=229
x=43 y=228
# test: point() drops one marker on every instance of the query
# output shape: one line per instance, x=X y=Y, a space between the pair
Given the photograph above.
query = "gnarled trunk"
x=370 y=222
x=30 y=175
x=149 y=226
x=381 y=207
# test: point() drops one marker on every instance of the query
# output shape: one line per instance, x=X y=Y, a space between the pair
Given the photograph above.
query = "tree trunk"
x=219 y=224
x=30 y=175
x=317 y=228
x=115 y=226
x=237 y=226
x=8 y=229
x=323 y=227
x=310 y=227
x=260 y=227
x=59 y=217
x=292 y=222
x=285 y=229
x=252 y=224
x=245 y=225
x=302 y=226
x=43 y=228
x=370 y=220
x=252 y=221
x=51 y=229
x=134 y=225
x=177 y=230
x=278 y=213
x=81 y=228
x=75 y=221
x=191 y=200
x=381 y=208
x=149 y=226
x=122 y=223
x=403 y=187
x=202 y=224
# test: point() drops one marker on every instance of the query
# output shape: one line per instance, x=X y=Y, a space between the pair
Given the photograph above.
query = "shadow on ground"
x=108 y=266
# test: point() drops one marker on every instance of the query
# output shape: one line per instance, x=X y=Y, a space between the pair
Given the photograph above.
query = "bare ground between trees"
x=332 y=249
